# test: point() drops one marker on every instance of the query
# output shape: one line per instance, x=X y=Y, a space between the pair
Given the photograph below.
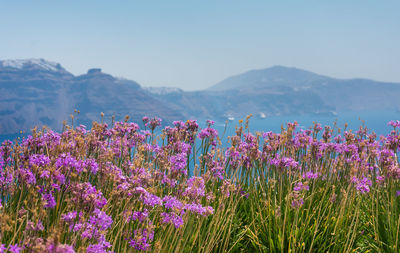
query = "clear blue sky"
x=194 y=44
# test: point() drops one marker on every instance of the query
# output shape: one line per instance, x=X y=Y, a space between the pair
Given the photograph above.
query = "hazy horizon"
x=193 y=46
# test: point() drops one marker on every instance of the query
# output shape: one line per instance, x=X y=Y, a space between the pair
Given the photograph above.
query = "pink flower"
x=15 y=248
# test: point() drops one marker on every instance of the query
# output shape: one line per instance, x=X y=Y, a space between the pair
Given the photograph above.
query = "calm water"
x=374 y=120
x=10 y=137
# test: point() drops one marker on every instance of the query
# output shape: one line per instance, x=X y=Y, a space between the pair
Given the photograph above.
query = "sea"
x=374 y=120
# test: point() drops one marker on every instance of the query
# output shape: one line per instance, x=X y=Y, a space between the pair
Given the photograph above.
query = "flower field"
x=178 y=189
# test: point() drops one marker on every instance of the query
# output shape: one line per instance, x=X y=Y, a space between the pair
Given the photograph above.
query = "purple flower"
x=91 y=165
x=39 y=226
x=380 y=179
x=100 y=219
x=45 y=174
x=6 y=176
x=208 y=133
x=140 y=216
x=151 y=200
x=394 y=123
x=397 y=193
x=218 y=172
x=172 y=203
x=153 y=123
x=88 y=195
x=210 y=122
x=76 y=227
x=81 y=128
x=195 y=187
x=317 y=127
x=363 y=185
x=100 y=247
x=284 y=162
x=69 y=162
x=60 y=248
x=59 y=177
x=145 y=133
x=179 y=162
x=15 y=248
x=310 y=175
x=172 y=218
x=142 y=239
x=89 y=231
x=297 y=202
x=179 y=124
x=28 y=176
x=182 y=147
x=39 y=160
x=96 y=248
x=145 y=119
x=140 y=189
x=199 y=209
x=192 y=125
x=1 y=161
x=300 y=187
x=2 y=248
x=69 y=216
x=49 y=200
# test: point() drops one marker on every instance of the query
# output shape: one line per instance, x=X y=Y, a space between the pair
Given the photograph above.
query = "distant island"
x=39 y=92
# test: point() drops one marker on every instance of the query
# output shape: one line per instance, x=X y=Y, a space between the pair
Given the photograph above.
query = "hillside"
x=39 y=92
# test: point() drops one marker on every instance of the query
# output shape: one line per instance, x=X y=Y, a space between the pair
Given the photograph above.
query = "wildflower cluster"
x=88 y=189
x=124 y=189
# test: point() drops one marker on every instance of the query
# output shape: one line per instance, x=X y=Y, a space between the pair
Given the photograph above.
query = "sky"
x=195 y=44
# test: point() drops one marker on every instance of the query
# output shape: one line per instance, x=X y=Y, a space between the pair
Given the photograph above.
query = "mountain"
x=234 y=103
x=97 y=92
x=274 y=76
x=359 y=94
x=273 y=91
x=338 y=94
x=30 y=66
x=38 y=92
x=163 y=90
x=33 y=92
